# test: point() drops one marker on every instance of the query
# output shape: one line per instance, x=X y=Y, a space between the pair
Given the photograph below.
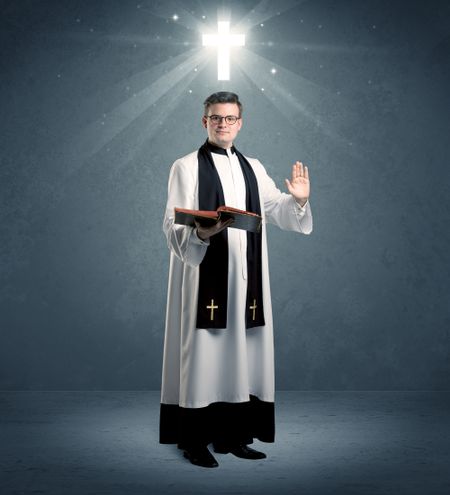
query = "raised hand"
x=298 y=186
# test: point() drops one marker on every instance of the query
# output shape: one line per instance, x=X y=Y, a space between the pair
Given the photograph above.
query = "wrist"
x=199 y=236
x=301 y=201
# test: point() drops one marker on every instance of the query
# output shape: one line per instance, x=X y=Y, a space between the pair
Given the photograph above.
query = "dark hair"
x=222 y=97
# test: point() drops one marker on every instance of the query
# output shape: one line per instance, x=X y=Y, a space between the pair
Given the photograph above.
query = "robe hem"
x=220 y=422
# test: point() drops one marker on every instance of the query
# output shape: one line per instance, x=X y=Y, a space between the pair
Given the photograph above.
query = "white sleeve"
x=182 y=240
x=281 y=209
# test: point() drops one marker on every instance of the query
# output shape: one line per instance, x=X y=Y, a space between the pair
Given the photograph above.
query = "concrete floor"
x=326 y=443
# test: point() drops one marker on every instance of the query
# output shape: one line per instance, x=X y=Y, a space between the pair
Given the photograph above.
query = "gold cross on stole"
x=212 y=308
x=254 y=308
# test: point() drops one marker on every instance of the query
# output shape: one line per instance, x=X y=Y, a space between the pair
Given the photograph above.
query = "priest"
x=218 y=361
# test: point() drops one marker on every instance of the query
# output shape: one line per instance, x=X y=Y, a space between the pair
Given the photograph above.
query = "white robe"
x=203 y=366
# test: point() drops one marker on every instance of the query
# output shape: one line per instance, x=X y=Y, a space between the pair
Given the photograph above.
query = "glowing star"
x=223 y=40
x=175 y=17
x=273 y=70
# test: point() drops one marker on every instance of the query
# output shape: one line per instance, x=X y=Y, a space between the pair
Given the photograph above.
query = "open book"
x=244 y=220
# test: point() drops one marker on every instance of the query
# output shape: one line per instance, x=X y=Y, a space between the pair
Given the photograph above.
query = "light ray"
x=124 y=39
x=96 y=135
x=166 y=10
x=159 y=115
x=316 y=48
x=265 y=10
x=137 y=82
x=281 y=91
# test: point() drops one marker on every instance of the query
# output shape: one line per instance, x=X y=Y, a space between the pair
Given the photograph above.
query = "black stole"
x=212 y=301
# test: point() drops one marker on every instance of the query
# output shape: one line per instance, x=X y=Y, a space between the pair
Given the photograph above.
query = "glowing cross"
x=212 y=308
x=254 y=308
x=223 y=40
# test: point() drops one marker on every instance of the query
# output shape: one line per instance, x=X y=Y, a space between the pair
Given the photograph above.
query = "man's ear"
x=204 y=122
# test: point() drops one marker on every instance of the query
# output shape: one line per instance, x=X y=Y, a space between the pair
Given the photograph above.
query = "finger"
x=306 y=172
x=288 y=184
x=294 y=172
x=225 y=224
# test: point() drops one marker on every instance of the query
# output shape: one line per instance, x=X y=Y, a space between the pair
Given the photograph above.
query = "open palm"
x=298 y=186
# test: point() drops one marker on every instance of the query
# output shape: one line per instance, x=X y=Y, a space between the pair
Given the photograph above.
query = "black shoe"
x=200 y=456
x=243 y=451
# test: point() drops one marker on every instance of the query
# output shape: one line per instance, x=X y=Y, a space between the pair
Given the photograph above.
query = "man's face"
x=221 y=133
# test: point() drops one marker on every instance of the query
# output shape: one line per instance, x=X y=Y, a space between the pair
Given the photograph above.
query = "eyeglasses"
x=217 y=119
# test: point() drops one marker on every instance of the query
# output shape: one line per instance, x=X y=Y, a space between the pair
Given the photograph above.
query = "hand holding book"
x=212 y=222
x=206 y=232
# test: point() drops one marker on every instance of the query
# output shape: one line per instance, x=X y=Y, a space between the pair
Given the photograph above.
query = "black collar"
x=216 y=149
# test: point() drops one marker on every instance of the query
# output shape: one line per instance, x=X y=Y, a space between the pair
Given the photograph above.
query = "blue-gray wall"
x=361 y=96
